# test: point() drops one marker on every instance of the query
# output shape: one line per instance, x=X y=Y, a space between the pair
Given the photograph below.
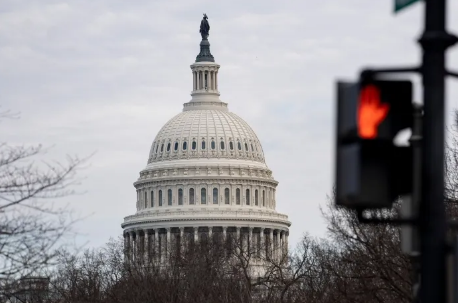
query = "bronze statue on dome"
x=204 y=27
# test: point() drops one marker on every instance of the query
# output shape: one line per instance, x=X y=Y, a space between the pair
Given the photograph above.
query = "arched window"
x=237 y=196
x=152 y=198
x=256 y=197
x=213 y=145
x=160 y=197
x=246 y=147
x=185 y=145
x=222 y=144
x=231 y=145
x=191 y=196
x=239 y=145
x=176 y=146
x=247 y=197
x=215 y=195
x=146 y=199
x=157 y=147
x=168 y=146
x=180 y=196
x=162 y=147
x=169 y=197
x=203 y=144
x=203 y=196
x=252 y=149
x=226 y=196
x=263 y=198
x=194 y=145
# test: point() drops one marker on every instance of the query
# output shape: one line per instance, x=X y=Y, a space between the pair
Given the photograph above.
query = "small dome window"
x=222 y=144
x=191 y=196
x=239 y=145
x=213 y=145
x=215 y=195
x=203 y=195
x=194 y=145
x=180 y=196
x=246 y=147
x=168 y=146
x=252 y=149
x=185 y=145
x=162 y=147
x=226 y=196
x=169 y=197
x=203 y=144
x=231 y=145
x=157 y=147
x=176 y=146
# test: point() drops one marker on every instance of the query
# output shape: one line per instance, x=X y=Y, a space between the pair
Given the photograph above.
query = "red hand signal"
x=371 y=112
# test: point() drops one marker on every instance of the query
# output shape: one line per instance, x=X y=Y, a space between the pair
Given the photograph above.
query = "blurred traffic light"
x=371 y=171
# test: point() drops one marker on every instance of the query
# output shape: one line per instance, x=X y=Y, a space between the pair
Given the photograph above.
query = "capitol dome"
x=206 y=134
x=206 y=174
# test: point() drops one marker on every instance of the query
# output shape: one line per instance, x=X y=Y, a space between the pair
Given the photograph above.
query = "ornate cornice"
x=165 y=181
x=205 y=215
x=207 y=172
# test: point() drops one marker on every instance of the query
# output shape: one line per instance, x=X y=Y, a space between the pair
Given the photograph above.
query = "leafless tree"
x=31 y=226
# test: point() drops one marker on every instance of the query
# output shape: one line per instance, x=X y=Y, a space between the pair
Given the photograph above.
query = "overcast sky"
x=103 y=76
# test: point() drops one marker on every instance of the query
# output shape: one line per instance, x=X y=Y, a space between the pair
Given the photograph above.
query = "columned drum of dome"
x=206 y=176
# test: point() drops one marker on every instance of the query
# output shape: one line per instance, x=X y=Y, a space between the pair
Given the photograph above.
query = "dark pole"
x=434 y=42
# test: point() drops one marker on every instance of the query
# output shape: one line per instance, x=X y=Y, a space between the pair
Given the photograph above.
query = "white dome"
x=206 y=174
x=206 y=134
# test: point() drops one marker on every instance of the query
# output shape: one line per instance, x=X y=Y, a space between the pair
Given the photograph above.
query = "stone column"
x=181 y=245
x=224 y=233
x=262 y=245
x=271 y=253
x=140 y=243
x=169 y=244
x=146 y=246
x=210 y=233
x=216 y=80
x=132 y=244
x=157 y=253
x=196 y=235
x=197 y=79
x=194 y=80
x=237 y=239
x=127 y=253
x=210 y=80
x=279 y=252
x=250 y=239
x=286 y=239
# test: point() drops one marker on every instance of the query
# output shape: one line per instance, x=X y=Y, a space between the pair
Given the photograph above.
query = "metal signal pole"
x=434 y=41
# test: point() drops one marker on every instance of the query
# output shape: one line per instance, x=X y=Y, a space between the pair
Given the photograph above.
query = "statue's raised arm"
x=204 y=27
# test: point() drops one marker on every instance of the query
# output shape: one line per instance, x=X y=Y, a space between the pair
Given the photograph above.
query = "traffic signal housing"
x=371 y=171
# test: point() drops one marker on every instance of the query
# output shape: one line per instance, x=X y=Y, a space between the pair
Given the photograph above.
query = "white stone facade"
x=206 y=174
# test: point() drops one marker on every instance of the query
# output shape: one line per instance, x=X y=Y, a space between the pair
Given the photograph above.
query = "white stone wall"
x=264 y=189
